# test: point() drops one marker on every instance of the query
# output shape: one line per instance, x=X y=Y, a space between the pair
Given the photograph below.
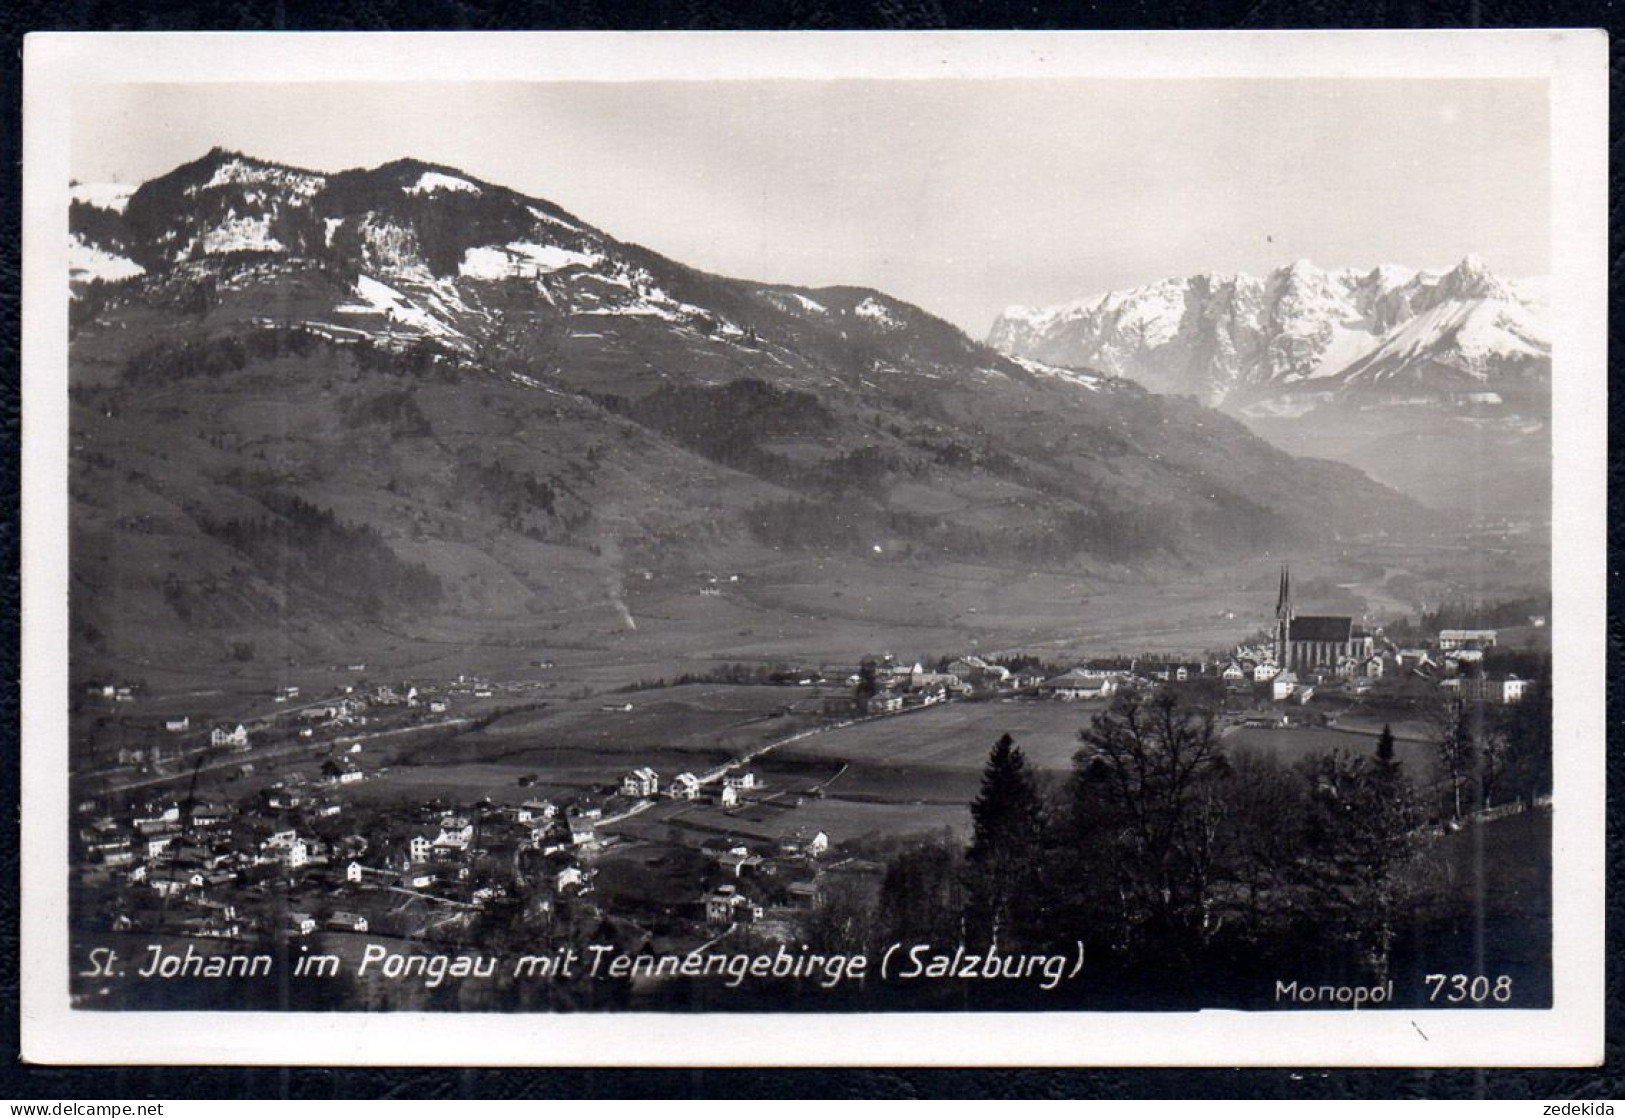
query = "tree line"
x=1169 y=855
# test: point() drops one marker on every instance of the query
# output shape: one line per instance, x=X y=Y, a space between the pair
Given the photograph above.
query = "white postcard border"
x=1575 y=65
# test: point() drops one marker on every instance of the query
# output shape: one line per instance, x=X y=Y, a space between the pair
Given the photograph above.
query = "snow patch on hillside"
x=378 y=298
x=387 y=246
x=878 y=313
x=554 y=219
x=241 y=234
x=87 y=263
x=103 y=195
x=1081 y=378
x=520 y=259
x=432 y=182
x=237 y=172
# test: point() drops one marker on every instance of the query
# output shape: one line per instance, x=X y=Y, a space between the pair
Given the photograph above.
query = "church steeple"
x=1283 y=618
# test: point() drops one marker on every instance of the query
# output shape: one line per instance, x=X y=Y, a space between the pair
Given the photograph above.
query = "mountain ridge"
x=506 y=411
x=1236 y=340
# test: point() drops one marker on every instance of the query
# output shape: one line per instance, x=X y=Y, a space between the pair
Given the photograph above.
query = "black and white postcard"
x=843 y=548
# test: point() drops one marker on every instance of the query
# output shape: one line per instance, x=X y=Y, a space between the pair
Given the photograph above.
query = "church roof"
x=1321 y=628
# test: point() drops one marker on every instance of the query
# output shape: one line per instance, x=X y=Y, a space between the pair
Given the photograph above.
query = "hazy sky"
x=961 y=196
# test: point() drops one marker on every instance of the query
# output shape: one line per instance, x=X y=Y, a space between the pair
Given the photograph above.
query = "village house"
x=288 y=848
x=1416 y=659
x=800 y=843
x=1484 y=690
x=347 y=922
x=742 y=782
x=341 y=770
x=1076 y=685
x=456 y=833
x=726 y=905
x=211 y=815
x=581 y=829
x=1283 y=685
x=885 y=703
x=738 y=861
x=1110 y=667
x=178 y=725
x=641 y=782
x=170 y=813
x=420 y=847
x=1233 y=673
x=728 y=796
x=573 y=880
x=301 y=923
x=1265 y=672
x=1171 y=671
x=938 y=681
x=1452 y=639
x=223 y=738
x=417 y=879
x=970 y=669
x=537 y=811
x=156 y=844
x=686 y=786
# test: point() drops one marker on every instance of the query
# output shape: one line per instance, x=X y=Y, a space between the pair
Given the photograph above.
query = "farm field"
x=955 y=736
x=1291 y=744
x=842 y=820
x=580 y=745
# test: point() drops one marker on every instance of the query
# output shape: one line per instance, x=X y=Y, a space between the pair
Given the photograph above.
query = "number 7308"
x=1475 y=988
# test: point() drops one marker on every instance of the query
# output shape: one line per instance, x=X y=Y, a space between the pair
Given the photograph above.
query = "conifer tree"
x=1385 y=747
x=1006 y=848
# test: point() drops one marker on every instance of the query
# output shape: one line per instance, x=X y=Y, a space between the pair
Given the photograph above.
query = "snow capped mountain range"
x=1300 y=337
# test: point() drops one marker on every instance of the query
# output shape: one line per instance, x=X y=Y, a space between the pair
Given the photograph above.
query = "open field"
x=580 y=745
x=957 y=736
x=1290 y=744
x=842 y=820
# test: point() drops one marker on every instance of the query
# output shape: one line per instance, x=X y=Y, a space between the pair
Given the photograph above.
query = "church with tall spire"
x=1310 y=642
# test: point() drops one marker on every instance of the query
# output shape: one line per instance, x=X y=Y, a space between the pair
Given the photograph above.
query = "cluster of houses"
x=644 y=783
x=112 y=692
x=885 y=685
x=1306 y=654
x=793 y=858
x=211 y=869
x=175 y=737
x=1102 y=678
x=1454 y=662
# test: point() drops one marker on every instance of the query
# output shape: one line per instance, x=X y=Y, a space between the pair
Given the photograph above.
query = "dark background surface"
x=18 y=1081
